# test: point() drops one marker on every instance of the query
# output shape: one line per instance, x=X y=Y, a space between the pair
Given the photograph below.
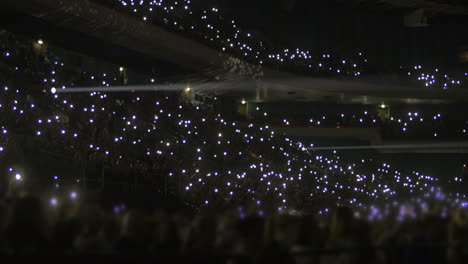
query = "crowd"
x=214 y=162
x=231 y=235
x=209 y=25
x=195 y=149
x=429 y=122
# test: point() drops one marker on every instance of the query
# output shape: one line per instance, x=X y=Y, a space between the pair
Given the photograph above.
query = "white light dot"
x=53 y=201
x=73 y=195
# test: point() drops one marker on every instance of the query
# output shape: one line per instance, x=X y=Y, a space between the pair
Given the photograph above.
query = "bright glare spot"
x=73 y=195
x=53 y=201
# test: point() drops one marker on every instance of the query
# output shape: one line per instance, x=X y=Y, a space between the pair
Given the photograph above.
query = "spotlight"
x=243 y=102
x=40 y=41
x=53 y=90
x=188 y=89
